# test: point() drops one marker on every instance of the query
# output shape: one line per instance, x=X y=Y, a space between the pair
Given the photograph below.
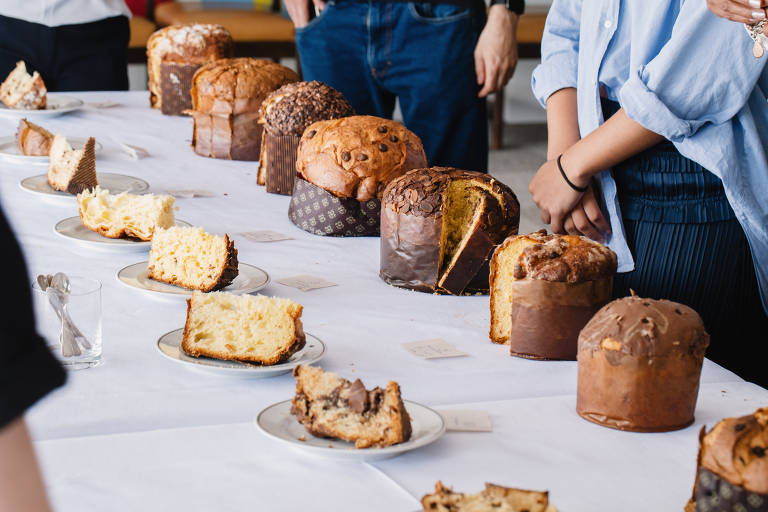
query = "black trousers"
x=82 y=57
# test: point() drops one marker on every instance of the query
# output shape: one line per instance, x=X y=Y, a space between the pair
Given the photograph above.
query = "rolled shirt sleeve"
x=559 y=50
x=662 y=95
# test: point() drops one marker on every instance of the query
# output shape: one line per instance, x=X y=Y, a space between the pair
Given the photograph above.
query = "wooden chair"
x=529 y=32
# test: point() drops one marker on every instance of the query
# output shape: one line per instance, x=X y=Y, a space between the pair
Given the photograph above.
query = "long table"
x=140 y=432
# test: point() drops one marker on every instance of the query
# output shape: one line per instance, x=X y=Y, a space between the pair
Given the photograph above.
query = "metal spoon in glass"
x=57 y=289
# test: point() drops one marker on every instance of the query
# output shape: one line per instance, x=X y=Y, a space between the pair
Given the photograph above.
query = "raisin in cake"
x=191 y=258
x=440 y=225
x=125 y=215
x=23 y=91
x=32 y=139
x=252 y=329
x=330 y=406
x=732 y=468
x=72 y=170
x=494 y=498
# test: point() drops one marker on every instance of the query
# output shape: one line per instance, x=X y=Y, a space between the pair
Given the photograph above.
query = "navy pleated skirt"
x=690 y=248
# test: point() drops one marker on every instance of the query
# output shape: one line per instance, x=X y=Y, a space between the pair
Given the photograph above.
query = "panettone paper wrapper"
x=175 y=86
x=227 y=136
x=319 y=212
x=279 y=160
x=715 y=494
x=548 y=316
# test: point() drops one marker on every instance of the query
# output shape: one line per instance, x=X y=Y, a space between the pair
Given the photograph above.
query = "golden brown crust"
x=357 y=156
x=32 y=139
x=281 y=356
x=493 y=497
x=35 y=97
x=192 y=43
x=227 y=273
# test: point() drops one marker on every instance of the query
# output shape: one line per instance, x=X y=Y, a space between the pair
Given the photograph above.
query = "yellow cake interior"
x=462 y=207
x=125 y=214
x=17 y=84
x=506 y=257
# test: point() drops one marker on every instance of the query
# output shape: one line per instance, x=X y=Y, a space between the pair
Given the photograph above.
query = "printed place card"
x=187 y=194
x=103 y=104
x=133 y=152
x=432 y=349
x=306 y=283
x=264 y=236
x=457 y=420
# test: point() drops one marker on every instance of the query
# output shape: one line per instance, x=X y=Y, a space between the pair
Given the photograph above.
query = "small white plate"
x=169 y=345
x=115 y=183
x=277 y=422
x=56 y=104
x=73 y=229
x=11 y=154
x=249 y=279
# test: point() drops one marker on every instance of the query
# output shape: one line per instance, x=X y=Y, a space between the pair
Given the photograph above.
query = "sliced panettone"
x=72 y=170
x=494 y=498
x=259 y=330
x=23 y=91
x=330 y=406
x=125 y=214
x=32 y=139
x=191 y=258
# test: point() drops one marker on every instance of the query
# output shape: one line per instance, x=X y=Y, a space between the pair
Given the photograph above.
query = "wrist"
x=576 y=166
x=500 y=13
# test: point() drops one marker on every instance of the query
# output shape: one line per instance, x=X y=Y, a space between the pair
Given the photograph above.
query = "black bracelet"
x=569 y=182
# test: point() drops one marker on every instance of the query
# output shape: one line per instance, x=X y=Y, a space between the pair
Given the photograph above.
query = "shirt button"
x=608 y=24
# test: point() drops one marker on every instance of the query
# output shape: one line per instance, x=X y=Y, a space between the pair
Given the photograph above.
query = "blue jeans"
x=374 y=52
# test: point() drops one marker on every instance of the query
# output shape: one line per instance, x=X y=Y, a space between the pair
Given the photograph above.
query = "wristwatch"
x=516 y=6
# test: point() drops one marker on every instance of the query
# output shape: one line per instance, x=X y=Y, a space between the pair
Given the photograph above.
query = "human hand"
x=496 y=50
x=298 y=10
x=554 y=197
x=587 y=219
x=741 y=11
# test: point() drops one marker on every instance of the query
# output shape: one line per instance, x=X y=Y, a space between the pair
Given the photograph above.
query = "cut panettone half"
x=503 y=264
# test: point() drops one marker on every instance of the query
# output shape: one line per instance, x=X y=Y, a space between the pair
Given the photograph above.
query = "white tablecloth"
x=140 y=432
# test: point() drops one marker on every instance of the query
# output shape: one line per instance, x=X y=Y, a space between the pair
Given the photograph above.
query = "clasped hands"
x=562 y=207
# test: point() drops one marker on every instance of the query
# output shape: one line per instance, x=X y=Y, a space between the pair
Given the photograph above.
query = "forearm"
x=21 y=485
x=616 y=140
x=562 y=122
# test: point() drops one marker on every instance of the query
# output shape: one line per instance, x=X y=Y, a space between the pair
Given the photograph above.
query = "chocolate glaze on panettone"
x=639 y=365
x=414 y=251
x=293 y=107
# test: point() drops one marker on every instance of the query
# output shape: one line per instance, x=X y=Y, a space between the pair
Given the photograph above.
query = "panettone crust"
x=32 y=139
x=357 y=156
x=293 y=107
x=227 y=273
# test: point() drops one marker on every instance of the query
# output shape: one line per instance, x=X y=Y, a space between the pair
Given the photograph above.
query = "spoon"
x=69 y=346
x=60 y=281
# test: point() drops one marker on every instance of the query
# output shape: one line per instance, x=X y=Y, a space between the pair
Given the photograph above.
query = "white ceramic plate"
x=56 y=104
x=11 y=154
x=169 y=345
x=250 y=279
x=277 y=422
x=73 y=229
x=115 y=183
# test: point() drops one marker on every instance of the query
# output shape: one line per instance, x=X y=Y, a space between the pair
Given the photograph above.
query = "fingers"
x=557 y=223
x=491 y=79
x=740 y=11
x=582 y=225
x=545 y=218
x=319 y=5
x=593 y=212
x=479 y=68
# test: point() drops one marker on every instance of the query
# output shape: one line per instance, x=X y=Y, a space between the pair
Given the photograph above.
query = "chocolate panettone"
x=342 y=168
x=440 y=225
x=174 y=54
x=226 y=96
x=544 y=289
x=285 y=114
x=639 y=365
x=732 y=468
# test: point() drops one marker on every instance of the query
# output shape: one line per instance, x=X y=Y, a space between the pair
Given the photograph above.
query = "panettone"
x=23 y=91
x=174 y=54
x=32 y=139
x=285 y=114
x=494 y=498
x=732 y=468
x=639 y=364
x=72 y=170
x=226 y=96
x=440 y=225
x=331 y=406
x=544 y=289
x=356 y=157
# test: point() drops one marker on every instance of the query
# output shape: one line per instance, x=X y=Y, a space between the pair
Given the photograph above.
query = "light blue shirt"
x=681 y=72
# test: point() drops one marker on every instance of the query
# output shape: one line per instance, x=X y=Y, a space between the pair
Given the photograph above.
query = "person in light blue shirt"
x=658 y=128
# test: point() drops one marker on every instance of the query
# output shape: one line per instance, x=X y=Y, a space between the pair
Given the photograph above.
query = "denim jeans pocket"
x=430 y=13
x=317 y=19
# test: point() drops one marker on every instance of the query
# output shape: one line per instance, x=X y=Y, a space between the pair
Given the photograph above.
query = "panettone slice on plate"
x=125 y=215
x=23 y=91
x=32 y=139
x=494 y=498
x=72 y=170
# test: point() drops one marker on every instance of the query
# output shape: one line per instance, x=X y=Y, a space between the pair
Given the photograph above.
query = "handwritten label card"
x=187 y=194
x=264 y=236
x=467 y=421
x=306 y=283
x=432 y=349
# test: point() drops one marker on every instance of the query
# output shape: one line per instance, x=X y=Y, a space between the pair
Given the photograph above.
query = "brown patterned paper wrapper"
x=228 y=136
x=715 y=494
x=279 y=159
x=175 y=84
x=548 y=316
x=319 y=212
